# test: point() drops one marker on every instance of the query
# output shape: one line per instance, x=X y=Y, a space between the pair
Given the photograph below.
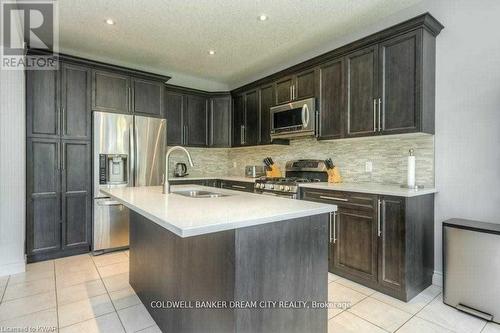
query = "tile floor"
x=92 y=294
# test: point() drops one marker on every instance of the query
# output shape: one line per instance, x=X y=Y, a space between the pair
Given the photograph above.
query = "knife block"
x=334 y=175
x=274 y=172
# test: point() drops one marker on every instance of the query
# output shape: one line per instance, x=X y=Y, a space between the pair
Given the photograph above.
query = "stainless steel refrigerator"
x=127 y=151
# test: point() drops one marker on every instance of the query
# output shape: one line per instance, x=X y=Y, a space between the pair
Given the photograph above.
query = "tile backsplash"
x=388 y=155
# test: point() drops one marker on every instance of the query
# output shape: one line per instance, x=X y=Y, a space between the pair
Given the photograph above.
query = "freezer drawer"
x=111 y=225
x=471 y=254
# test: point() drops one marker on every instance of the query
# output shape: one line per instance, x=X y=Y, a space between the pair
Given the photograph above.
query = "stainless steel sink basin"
x=200 y=194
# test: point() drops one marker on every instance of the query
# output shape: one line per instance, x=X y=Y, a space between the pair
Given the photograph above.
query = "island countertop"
x=186 y=216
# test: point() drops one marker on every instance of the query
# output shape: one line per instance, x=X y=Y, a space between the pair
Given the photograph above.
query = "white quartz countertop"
x=233 y=178
x=370 y=188
x=186 y=216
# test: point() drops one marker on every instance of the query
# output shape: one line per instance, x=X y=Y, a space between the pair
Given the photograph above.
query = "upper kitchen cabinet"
x=122 y=93
x=267 y=100
x=76 y=113
x=332 y=100
x=246 y=119
x=196 y=121
x=148 y=97
x=362 y=92
x=42 y=103
x=111 y=92
x=174 y=106
x=295 y=87
x=220 y=121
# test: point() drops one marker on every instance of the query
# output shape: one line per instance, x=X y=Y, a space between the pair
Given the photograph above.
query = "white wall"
x=12 y=171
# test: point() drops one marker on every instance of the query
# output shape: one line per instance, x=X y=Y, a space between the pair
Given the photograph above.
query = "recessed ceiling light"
x=263 y=17
x=110 y=21
x=211 y=52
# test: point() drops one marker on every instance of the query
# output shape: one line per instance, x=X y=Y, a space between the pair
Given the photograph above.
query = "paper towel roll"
x=411 y=169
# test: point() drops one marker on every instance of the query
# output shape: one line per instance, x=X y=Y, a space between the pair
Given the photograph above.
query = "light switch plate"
x=369 y=166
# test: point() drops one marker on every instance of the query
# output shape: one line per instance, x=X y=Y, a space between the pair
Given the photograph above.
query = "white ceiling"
x=173 y=37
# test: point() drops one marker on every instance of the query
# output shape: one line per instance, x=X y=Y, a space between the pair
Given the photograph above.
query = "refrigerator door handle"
x=132 y=155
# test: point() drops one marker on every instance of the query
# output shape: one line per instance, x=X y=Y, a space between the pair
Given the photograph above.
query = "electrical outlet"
x=235 y=165
x=369 y=166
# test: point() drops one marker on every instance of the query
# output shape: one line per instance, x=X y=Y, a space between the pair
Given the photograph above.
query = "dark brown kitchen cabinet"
x=220 y=121
x=246 y=119
x=43 y=196
x=295 y=87
x=76 y=196
x=76 y=112
x=111 y=92
x=362 y=92
x=174 y=106
x=332 y=100
x=267 y=100
x=42 y=103
x=147 y=98
x=383 y=242
x=196 y=121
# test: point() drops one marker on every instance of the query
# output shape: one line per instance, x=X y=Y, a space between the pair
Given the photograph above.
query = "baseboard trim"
x=437 y=278
x=14 y=268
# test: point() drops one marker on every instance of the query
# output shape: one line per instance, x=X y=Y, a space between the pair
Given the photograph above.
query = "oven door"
x=280 y=195
x=293 y=119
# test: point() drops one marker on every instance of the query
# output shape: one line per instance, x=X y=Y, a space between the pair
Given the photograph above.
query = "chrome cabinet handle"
x=291 y=92
x=333 y=198
x=374 y=115
x=63 y=120
x=242 y=134
x=238 y=186
x=379 y=114
x=330 y=227
x=379 y=231
x=63 y=162
x=318 y=124
x=333 y=217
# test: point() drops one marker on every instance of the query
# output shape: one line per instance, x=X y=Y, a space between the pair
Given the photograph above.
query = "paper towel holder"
x=415 y=187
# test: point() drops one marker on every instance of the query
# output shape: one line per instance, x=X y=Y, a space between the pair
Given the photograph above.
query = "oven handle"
x=289 y=196
x=305 y=115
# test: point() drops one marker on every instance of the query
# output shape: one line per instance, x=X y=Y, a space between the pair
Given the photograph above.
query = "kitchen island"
x=239 y=262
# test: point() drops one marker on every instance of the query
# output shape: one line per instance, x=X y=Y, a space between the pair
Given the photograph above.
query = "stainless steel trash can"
x=471 y=267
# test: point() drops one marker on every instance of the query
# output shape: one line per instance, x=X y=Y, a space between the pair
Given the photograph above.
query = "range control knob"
x=257 y=185
x=281 y=187
x=287 y=188
x=271 y=186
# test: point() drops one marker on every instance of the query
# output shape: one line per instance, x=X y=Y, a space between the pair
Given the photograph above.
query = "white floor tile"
x=416 y=304
x=114 y=269
x=343 y=298
x=77 y=312
x=124 y=298
x=23 y=306
x=110 y=258
x=380 y=314
x=116 y=282
x=31 y=275
x=446 y=316
x=80 y=292
x=109 y=323
x=418 y=325
x=46 y=319
x=152 y=329
x=491 y=328
x=356 y=286
x=30 y=288
x=332 y=277
x=41 y=266
x=3 y=280
x=65 y=280
x=346 y=322
x=136 y=318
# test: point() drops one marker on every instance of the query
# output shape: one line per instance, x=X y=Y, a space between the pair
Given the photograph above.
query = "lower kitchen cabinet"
x=237 y=186
x=383 y=242
x=58 y=210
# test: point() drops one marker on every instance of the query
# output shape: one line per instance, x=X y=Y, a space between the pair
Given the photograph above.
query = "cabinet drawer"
x=350 y=200
x=237 y=186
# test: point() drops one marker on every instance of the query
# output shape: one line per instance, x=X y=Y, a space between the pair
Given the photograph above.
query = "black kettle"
x=180 y=170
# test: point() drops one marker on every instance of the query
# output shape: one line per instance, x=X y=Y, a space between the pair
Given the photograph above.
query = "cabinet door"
x=305 y=85
x=174 y=105
x=43 y=225
x=400 y=63
x=76 y=193
x=252 y=118
x=266 y=102
x=332 y=98
x=196 y=125
x=76 y=113
x=148 y=97
x=111 y=92
x=42 y=103
x=238 y=120
x=237 y=186
x=392 y=243
x=220 y=117
x=362 y=92
x=356 y=243
x=284 y=90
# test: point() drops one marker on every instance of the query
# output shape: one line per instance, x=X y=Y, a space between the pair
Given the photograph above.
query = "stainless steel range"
x=296 y=172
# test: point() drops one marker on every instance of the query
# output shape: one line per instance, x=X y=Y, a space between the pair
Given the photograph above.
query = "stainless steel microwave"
x=293 y=119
